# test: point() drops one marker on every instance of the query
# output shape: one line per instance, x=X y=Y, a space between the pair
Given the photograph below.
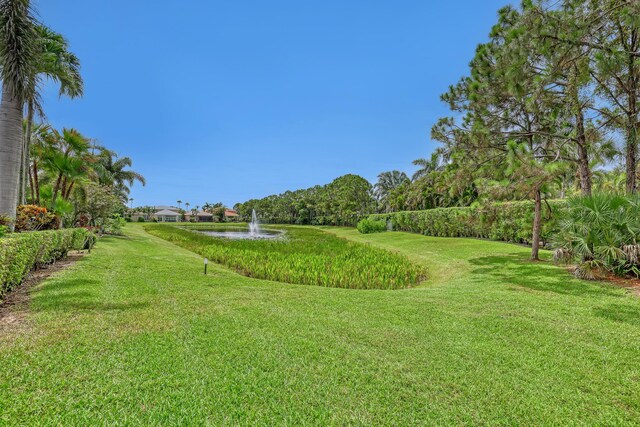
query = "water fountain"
x=254 y=225
x=254 y=233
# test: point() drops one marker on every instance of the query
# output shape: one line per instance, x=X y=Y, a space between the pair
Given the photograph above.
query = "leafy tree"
x=99 y=204
x=510 y=131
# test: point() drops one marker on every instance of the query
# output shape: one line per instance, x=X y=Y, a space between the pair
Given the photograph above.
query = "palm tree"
x=69 y=161
x=387 y=183
x=55 y=63
x=18 y=54
x=426 y=166
x=179 y=204
x=42 y=139
x=111 y=172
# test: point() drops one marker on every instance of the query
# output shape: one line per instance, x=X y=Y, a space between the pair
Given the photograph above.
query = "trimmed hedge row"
x=368 y=226
x=22 y=252
x=506 y=221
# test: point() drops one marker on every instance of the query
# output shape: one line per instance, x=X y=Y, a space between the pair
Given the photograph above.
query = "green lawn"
x=135 y=334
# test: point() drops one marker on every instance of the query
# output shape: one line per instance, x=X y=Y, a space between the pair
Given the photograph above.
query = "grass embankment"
x=305 y=256
x=135 y=334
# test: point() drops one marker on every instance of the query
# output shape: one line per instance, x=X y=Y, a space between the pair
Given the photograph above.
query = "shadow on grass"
x=72 y=295
x=516 y=269
x=619 y=313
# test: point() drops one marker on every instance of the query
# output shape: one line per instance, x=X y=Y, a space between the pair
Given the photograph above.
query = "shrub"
x=600 y=234
x=367 y=226
x=507 y=221
x=114 y=225
x=5 y=220
x=306 y=256
x=140 y=219
x=34 y=218
x=22 y=252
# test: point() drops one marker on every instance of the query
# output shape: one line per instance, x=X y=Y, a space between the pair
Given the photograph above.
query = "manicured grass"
x=135 y=334
x=303 y=255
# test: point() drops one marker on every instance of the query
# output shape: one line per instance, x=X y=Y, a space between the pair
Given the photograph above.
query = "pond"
x=241 y=233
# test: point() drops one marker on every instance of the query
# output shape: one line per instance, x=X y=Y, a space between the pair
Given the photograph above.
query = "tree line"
x=342 y=202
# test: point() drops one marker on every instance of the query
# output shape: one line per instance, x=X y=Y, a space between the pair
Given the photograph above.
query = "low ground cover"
x=305 y=256
x=135 y=334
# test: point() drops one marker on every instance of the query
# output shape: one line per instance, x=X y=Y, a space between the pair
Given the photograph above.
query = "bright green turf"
x=135 y=335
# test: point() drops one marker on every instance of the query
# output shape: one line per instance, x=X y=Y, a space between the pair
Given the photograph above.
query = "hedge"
x=20 y=253
x=367 y=226
x=506 y=221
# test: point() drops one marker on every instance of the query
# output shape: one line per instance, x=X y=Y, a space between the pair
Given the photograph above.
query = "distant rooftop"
x=200 y=213
x=166 y=212
x=170 y=208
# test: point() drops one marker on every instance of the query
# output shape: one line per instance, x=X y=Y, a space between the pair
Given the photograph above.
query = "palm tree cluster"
x=37 y=163
x=63 y=163
x=600 y=233
x=438 y=182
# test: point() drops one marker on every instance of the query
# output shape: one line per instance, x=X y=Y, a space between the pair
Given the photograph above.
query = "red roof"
x=230 y=212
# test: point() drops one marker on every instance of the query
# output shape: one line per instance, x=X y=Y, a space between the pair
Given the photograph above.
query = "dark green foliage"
x=600 y=233
x=344 y=201
x=307 y=256
x=20 y=253
x=367 y=226
x=507 y=221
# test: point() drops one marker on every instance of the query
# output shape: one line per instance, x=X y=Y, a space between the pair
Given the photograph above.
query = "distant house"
x=166 y=215
x=231 y=215
x=201 y=216
x=168 y=208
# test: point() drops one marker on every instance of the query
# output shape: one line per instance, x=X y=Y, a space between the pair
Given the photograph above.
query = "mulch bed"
x=631 y=284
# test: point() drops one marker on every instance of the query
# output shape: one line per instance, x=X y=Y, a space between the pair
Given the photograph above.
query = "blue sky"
x=232 y=100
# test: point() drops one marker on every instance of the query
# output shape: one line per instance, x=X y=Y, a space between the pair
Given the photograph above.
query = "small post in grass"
x=206 y=261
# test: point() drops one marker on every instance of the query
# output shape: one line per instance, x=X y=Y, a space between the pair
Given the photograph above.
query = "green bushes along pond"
x=508 y=221
x=306 y=256
x=22 y=252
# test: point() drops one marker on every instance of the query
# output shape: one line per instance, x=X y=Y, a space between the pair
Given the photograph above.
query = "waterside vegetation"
x=305 y=256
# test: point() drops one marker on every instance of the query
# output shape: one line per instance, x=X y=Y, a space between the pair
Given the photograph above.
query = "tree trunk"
x=631 y=146
x=632 y=123
x=26 y=161
x=10 y=151
x=63 y=187
x=68 y=193
x=583 y=155
x=31 y=185
x=537 y=225
x=56 y=188
x=36 y=183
